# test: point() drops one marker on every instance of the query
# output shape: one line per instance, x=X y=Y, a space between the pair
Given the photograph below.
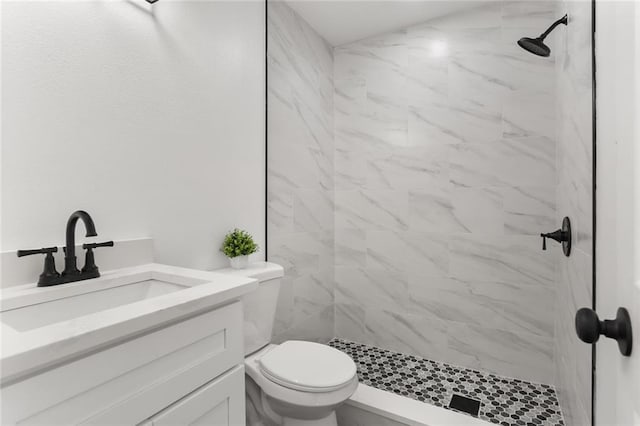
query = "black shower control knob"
x=562 y=235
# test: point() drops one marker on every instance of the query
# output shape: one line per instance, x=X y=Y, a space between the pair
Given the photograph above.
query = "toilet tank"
x=260 y=305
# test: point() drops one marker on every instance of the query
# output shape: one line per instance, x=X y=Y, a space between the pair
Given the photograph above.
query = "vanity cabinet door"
x=219 y=402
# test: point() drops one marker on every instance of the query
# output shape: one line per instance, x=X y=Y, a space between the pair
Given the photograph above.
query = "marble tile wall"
x=574 y=199
x=445 y=174
x=300 y=174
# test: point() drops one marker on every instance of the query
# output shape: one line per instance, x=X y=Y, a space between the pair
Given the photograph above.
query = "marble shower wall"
x=300 y=174
x=445 y=174
x=572 y=46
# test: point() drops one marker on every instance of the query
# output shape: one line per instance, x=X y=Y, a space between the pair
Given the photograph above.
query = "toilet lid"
x=308 y=366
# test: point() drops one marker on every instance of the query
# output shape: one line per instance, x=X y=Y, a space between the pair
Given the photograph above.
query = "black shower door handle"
x=589 y=328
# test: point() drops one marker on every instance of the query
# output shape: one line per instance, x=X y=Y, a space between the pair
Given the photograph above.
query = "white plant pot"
x=239 y=262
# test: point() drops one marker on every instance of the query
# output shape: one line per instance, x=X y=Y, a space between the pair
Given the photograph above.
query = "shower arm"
x=562 y=20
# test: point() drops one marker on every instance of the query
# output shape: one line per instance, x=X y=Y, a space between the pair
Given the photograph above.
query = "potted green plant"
x=237 y=246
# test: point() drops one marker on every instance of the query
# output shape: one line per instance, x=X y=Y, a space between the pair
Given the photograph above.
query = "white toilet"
x=295 y=383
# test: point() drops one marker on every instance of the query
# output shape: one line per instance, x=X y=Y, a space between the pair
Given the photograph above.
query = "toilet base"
x=260 y=412
x=330 y=420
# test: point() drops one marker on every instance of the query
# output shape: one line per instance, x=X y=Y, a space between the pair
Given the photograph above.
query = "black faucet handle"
x=49 y=275
x=90 y=268
x=45 y=250
x=90 y=246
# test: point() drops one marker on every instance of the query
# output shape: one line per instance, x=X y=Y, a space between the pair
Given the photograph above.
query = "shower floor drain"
x=464 y=404
x=498 y=399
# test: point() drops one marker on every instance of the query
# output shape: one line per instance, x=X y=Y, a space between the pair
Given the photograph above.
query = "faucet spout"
x=70 y=265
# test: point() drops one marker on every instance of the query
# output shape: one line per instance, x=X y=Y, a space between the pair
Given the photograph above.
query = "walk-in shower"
x=411 y=173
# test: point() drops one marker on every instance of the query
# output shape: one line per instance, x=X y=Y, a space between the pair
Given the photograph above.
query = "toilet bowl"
x=300 y=383
x=295 y=383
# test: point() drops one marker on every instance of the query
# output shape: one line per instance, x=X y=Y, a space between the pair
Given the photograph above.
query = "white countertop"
x=28 y=351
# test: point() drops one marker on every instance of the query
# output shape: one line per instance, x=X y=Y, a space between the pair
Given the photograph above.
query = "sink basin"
x=42 y=314
x=51 y=305
x=45 y=325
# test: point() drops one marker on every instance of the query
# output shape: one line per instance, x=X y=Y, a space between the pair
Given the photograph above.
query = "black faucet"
x=70 y=265
x=70 y=273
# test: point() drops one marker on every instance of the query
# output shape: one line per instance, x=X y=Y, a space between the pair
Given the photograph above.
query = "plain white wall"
x=151 y=118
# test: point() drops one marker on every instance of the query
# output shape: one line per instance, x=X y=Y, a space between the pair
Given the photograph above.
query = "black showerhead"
x=536 y=45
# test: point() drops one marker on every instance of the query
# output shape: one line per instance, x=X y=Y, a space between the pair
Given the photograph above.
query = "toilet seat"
x=292 y=396
x=308 y=367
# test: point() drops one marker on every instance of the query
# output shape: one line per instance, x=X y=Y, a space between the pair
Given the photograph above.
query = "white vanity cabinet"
x=220 y=402
x=190 y=371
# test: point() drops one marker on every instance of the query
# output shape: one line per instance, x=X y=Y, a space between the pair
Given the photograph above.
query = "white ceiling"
x=342 y=22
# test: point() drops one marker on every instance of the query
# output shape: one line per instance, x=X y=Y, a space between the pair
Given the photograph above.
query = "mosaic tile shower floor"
x=503 y=401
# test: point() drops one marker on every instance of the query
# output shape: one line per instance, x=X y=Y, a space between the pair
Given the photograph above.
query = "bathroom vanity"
x=148 y=345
